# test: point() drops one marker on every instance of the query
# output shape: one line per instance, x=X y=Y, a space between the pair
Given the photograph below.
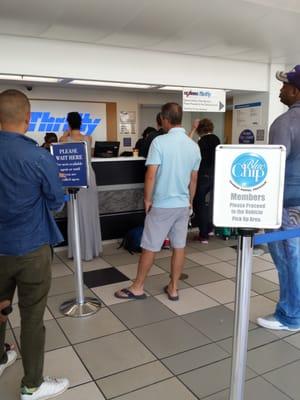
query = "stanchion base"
x=73 y=309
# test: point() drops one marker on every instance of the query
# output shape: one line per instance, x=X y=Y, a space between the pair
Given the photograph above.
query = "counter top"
x=110 y=159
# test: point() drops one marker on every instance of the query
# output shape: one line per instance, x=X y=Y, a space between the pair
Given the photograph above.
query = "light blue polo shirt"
x=177 y=156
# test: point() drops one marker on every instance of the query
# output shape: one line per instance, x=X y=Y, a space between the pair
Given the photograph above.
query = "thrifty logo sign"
x=42 y=122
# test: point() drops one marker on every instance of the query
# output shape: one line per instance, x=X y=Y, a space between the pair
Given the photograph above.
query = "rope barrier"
x=276 y=236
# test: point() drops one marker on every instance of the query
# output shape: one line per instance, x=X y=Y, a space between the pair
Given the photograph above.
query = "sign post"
x=72 y=162
x=248 y=194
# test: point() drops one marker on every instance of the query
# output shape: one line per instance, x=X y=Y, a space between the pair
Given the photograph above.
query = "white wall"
x=80 y=60
x=218 y=119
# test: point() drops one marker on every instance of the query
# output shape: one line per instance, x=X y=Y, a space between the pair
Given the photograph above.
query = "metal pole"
x=81 y=306
x=77 y=252
x=241 y=318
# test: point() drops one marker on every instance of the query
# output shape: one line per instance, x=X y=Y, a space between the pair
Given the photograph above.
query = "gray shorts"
x=165 y=222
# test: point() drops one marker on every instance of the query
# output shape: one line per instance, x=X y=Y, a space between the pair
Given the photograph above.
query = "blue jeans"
x=286 y=257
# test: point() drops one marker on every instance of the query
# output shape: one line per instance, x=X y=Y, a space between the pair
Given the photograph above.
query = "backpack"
x=132 y=240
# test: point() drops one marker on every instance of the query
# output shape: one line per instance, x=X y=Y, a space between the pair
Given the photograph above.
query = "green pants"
x=31 y=275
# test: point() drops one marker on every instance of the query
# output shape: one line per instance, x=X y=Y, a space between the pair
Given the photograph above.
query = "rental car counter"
x=120 y=185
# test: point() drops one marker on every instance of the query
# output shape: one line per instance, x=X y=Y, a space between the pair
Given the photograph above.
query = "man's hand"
x=3 y=304
x=148 y=205
x=196 y=123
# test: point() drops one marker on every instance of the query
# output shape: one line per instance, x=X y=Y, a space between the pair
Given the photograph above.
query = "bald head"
x=14 y=111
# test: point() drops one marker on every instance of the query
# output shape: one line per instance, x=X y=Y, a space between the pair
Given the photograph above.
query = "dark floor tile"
x=101 y=277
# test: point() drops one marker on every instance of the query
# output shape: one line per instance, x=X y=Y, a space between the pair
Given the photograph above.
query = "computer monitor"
x=106 y=149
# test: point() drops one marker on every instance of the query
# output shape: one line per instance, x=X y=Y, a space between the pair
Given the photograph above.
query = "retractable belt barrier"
x=276 y=236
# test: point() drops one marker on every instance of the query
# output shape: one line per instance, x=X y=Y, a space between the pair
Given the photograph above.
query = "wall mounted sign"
x=207 y=100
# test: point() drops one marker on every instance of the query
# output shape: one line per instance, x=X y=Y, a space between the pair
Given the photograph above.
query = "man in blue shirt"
x=286 y=253
x=170 y=184
x=30 y=188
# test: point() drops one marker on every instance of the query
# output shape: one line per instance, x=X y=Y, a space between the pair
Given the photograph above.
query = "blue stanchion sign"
x=72 y=162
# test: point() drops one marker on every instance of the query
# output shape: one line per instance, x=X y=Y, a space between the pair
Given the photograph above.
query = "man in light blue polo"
x=170 y=183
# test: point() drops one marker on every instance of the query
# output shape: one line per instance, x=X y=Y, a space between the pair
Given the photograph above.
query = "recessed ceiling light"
x=112 y=84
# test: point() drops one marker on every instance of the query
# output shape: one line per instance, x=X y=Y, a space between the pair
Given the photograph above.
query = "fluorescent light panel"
x=27 y=78
x=40 y=79
x=11 y=77
x=111 y=84
x=177 y=88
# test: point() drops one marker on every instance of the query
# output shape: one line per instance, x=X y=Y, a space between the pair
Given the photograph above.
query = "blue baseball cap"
x=292 y=77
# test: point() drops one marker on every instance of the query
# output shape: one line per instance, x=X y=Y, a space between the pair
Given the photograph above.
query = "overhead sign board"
x=72 y=161
x=203 y=100
x=248 y=187
x=51 y=116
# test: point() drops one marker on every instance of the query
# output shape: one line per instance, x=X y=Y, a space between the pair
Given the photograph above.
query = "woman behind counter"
x=88 y=210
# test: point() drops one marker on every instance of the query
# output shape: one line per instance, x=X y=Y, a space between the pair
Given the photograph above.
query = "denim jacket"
x=286 y=130
x=29 y=189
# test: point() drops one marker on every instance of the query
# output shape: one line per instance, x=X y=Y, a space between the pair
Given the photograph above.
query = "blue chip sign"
x=248 y=186
x=72 y=162
x=249 y=170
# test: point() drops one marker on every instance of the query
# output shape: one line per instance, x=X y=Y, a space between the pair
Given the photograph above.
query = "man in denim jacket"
x=29 y=189
x=286 y=253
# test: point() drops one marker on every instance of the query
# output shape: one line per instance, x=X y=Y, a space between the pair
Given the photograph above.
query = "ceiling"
x=264 y=31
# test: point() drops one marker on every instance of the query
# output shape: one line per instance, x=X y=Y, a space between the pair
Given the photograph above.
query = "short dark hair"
x=148 y=130
x=74 y=120
x=205 y=126
x=158 y=119
x=172 y=112
x=50 y=137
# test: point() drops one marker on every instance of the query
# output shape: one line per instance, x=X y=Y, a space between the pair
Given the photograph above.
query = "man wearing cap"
x=285 y=130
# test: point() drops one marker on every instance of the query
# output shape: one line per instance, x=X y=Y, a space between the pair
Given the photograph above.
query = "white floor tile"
x=202 y=258
x=15 y=320
x=130 y=270
x=259 y=307
x=190 y=300
x=224 y=254
x=89 y=391
x=270 y=276
x=223 y=268
x=65 y=363
x=221 y=291
x=106 y=293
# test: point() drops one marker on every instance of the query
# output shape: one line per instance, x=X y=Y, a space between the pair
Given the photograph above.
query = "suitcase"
x=226 y=233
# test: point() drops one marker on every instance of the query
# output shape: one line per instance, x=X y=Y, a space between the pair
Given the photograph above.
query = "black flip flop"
x=172 y=298
x=129 y=295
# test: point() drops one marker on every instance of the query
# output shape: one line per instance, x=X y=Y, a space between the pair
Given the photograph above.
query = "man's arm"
x=51 y=184
x=149 y=186
x=192 y=186
x=194 y=128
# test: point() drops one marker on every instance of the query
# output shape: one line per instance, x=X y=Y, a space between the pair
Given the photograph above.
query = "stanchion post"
x=241 y=317
x=81 y=306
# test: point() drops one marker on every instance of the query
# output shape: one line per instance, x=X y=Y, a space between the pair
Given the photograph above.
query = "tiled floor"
x=155 y=348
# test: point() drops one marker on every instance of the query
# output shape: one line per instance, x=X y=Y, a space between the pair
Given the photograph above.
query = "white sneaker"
x=270 y=322
x=11 y=358
x=51 y=387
